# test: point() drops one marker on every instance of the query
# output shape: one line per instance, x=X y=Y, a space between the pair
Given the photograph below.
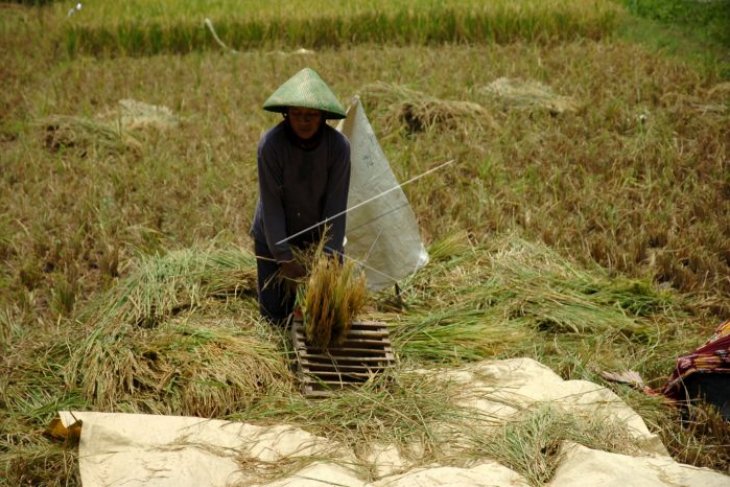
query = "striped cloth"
x=712 y=357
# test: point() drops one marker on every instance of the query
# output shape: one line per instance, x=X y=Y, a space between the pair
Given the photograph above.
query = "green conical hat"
x=305 y=89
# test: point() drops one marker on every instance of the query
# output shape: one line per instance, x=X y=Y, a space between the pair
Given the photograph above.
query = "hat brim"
x=306 y=90
x=285 y=108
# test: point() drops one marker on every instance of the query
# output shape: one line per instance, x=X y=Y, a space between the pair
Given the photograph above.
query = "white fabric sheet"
x=382 y=234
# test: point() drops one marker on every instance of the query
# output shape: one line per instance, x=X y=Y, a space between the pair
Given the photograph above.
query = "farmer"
x=304 y=177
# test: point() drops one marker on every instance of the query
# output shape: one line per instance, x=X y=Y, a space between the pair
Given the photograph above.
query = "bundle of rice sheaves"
x=163 y=340
x=530 y=95
x=88 y=136
x=333 y=295
x=419 y=112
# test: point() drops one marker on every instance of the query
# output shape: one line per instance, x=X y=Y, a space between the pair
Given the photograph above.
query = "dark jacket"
x=299 y=188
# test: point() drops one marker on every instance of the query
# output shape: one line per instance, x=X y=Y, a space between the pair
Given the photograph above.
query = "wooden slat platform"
x=365 y=353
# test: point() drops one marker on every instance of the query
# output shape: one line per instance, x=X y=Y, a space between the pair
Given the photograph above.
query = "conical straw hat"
x=307 y=90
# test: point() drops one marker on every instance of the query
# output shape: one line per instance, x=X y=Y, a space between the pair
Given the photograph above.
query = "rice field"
x=136 y=28
x=583 y=224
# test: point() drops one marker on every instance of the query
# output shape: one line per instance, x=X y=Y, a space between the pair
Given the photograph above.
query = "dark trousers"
x=276 y=302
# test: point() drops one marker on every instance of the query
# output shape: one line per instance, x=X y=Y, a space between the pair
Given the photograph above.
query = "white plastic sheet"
x=135 y=450
x=583 y=466
x=382 y=234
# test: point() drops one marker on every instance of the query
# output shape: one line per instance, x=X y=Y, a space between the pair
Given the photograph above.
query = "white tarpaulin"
x=382 y=234
x=135 y=450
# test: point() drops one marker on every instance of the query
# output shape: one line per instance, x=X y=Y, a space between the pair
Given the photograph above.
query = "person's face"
x=304 y=121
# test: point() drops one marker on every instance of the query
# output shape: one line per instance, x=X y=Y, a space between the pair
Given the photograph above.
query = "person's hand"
x=291 y=271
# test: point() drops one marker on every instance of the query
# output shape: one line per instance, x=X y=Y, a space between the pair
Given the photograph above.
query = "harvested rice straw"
x=331 y=297
x=530 y=94
x=63 y=132
x=419 y=111
x=134 y=355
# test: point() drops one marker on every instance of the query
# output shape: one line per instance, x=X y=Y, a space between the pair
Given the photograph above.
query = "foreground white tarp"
x=134 y=450
x=614 y=470
x=178 y=451
x=382 y=234
x=503 y=388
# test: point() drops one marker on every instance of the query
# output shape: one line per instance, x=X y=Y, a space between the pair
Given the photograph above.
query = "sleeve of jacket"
x=338 y=187
x=271 y=180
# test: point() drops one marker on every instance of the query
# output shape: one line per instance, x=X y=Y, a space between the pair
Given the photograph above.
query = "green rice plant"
x=456 y=335
x=140 y=29
x=565 y=298
x=710 y=19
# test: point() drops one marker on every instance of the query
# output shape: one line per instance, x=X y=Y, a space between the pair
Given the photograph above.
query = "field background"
x=590 y=237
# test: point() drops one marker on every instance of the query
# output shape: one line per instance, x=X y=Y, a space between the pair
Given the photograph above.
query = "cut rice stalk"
x=333 y=295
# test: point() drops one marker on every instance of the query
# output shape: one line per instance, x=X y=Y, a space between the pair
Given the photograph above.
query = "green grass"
x=709 y=20
x=698 y=32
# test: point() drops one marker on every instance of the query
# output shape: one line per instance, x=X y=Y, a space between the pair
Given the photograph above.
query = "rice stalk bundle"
x=509 y=297
x=210 y=367
x=111 y=29
x=404 y=408
x=63 y=132
x=160 y=286
x=419 y=111
x=200 y=367
x=130 y=115
x=457 y=334
x=556 y=295
x=529 y=94
x=112 y=362
x=333 y=295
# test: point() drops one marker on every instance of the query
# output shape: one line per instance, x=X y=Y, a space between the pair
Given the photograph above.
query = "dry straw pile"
x=419 y=112
x=515 y=297
x=85 y=135
x=158 y=343
x=110 y=132
x=529 y=95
